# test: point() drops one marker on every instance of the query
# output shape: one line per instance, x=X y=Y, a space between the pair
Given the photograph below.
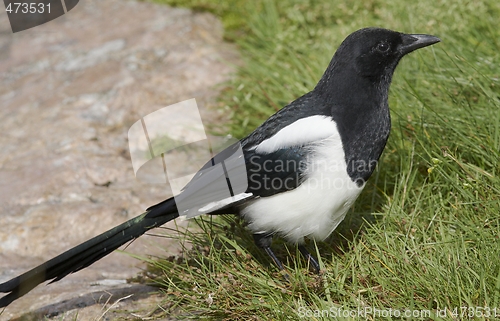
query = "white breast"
x=319 y=204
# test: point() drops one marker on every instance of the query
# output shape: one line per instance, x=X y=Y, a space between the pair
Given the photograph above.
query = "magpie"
x=305 y=165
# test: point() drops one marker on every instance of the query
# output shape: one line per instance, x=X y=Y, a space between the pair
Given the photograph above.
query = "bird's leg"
x=275 y=259
x=263 y=240
x=309 y=258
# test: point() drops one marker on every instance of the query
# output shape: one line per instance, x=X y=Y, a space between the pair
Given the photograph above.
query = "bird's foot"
x=310 y=259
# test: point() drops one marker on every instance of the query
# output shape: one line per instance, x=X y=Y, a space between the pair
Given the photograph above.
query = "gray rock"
x=69 y=91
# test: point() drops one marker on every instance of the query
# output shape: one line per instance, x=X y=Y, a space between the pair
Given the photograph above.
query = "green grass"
x=424 y=234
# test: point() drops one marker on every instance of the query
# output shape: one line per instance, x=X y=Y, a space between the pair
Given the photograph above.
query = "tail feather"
x=85 y=254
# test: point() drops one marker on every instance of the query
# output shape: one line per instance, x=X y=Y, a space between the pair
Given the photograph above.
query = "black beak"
x=414 y=42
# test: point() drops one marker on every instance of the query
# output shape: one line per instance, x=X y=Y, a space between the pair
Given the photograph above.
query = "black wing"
x=276 y=172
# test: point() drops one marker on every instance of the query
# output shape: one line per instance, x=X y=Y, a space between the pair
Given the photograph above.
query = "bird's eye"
x=383 y=47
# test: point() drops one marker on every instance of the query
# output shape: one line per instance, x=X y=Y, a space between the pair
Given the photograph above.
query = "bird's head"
x=373 y=54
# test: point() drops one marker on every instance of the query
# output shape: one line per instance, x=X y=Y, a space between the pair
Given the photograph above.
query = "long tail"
x=88 y=252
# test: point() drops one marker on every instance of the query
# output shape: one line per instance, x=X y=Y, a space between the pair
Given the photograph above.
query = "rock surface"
x=69 y=91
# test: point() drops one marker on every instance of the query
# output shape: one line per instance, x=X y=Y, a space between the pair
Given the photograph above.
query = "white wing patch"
x=210 y=207
x=303 y=131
